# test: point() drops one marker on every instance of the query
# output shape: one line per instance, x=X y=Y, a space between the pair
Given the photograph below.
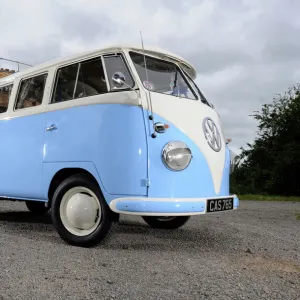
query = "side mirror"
x=160 y=127
x=119 y=79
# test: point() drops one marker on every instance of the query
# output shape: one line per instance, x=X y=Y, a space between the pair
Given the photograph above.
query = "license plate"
x=215 y=205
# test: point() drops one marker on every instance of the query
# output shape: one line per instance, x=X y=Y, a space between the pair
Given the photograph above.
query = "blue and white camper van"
x=121 y=130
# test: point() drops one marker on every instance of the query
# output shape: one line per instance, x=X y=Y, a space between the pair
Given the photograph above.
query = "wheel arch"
x=63 y=174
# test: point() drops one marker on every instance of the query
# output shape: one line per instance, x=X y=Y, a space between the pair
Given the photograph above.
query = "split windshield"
x=163 y=76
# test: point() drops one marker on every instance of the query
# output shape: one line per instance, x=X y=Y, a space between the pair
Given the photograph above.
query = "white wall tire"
x=80 y=214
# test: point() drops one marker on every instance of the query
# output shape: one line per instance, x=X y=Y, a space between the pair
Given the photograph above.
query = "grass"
x=297 y=216
x=269 y=198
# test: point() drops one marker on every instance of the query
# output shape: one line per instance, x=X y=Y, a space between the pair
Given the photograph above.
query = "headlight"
x=176 y=156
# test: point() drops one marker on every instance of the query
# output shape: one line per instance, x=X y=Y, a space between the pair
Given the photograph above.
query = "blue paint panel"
x=21 y=155
x=236 y=202
x=226 y=174
x=160 y=207
x=194 y=182
x=109 y=141
x=112 y=136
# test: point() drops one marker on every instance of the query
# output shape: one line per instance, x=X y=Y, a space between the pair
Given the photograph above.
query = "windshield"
x=163 y=76
x=199 y=93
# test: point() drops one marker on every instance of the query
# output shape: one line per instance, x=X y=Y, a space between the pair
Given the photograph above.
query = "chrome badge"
x=212 y=134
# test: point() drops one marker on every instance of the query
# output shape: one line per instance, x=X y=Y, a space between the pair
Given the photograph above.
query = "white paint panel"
x=113 y=205
x=188 y=115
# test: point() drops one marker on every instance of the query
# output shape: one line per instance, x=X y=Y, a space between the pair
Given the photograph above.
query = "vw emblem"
x=212 y=134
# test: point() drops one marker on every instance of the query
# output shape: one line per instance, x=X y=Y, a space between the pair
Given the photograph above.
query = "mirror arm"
x=120 y=81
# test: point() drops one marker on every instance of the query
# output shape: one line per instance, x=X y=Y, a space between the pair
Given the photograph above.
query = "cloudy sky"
x=245 y=51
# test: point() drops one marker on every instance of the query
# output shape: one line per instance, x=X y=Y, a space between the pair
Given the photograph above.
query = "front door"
x=90 y=121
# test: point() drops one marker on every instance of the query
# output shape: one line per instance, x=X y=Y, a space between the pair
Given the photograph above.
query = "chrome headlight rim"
x=166 y=149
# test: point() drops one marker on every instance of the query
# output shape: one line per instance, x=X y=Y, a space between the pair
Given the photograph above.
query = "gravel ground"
x=251 y=253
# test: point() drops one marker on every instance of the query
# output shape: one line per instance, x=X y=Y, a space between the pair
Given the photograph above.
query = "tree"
x=271 y=164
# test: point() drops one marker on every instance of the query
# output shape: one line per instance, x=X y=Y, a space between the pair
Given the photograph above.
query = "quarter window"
x=80 y=80
x=4 y=97
x=65 y=83
x=115 y=66
x=31 y=92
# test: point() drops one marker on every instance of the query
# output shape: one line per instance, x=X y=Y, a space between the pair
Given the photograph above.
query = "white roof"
x=148 y=50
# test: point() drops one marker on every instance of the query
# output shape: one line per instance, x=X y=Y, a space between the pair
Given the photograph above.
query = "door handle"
x=51 y=127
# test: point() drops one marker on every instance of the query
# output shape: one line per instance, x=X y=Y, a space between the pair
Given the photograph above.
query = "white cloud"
x=245 y=51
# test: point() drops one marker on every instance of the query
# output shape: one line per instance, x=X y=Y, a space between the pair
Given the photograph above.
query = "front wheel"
x=166 y=222
x=80 y=214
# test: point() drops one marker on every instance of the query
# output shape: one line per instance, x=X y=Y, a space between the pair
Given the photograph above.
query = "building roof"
x=6 y=72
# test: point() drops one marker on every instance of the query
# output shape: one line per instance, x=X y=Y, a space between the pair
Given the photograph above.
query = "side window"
x=116 y=67
x=31 y=92
x=91 y=79
x=4 y=97
x=80 y=80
